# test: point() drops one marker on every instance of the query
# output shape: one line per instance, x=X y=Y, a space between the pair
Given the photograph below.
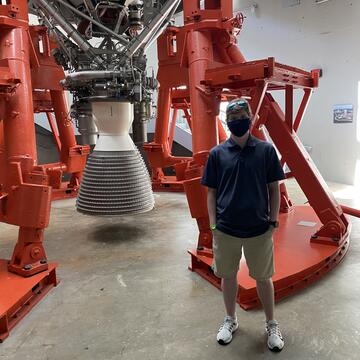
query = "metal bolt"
x=314 y=236
x=43 y=261
x=27 y=267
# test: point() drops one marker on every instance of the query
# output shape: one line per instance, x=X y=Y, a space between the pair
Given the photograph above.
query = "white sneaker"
x=224 y=335
x=275 y=340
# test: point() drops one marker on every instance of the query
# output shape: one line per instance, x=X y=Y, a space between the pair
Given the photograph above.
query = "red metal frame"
x=206 y=67
x=29 y=82
x=49 y=98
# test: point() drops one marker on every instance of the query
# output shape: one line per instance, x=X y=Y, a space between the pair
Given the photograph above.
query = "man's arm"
x=274 y=200
x=209 y=179
x=211 y=204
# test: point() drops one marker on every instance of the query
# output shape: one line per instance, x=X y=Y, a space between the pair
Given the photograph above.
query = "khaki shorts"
x=258 y=251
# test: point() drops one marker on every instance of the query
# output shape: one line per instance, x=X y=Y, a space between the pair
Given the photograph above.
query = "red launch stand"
x=30 y=82
x=202 y=68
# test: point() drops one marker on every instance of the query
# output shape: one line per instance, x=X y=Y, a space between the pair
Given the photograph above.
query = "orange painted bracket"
x=64 y=192
x=18 y=295
x=298 y=261
x=168 y=184
x=245 y=75
x=8 y=82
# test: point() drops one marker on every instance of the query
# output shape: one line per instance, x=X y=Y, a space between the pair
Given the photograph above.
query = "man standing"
x=242 y=175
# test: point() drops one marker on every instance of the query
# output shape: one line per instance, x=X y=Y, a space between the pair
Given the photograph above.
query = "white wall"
x=315 y=36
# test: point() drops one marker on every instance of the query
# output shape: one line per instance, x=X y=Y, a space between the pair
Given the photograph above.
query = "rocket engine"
x=111 y=92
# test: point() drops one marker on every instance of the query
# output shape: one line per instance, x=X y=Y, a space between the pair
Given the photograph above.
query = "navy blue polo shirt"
x=240 y=177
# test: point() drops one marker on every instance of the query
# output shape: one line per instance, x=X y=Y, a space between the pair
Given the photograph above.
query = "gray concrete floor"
x=126 y=293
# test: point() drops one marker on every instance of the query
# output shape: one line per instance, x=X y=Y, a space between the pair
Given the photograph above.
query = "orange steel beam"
x=172 y=128
x=188 y=118
x=302 y=108
x=2 y=152
x=289 y=96
x=54 y=131
x=221 y=131
x=50 y=97
x=351 y=211
x=321 y=199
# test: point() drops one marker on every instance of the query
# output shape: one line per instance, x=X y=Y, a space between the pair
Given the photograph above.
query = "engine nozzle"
x=116 y=180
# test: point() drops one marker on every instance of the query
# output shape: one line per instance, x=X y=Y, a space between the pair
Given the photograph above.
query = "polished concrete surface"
x=126 y=293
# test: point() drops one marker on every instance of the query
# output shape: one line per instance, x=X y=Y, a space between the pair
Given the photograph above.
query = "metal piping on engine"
x=121 y=39
x=89 y=75
x=161 y=28
x=69 y=29
x=147 y=33
x=91 y=9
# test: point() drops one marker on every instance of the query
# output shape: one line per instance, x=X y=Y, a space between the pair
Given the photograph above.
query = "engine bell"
x=116 y=180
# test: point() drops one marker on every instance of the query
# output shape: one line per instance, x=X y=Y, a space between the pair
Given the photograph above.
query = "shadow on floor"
x=116 y=234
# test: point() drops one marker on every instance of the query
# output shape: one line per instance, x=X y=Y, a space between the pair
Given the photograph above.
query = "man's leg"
x=227 y=251
x=230 y=290
x=230 y=324
x=259 y=254
x=227 y=255
x=265 y=290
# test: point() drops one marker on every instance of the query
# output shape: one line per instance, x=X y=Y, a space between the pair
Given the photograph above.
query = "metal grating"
x=115 y=183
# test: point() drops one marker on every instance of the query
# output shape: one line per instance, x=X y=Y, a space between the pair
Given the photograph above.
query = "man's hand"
x=211 y=204
x=274 y=223
x=274 y=201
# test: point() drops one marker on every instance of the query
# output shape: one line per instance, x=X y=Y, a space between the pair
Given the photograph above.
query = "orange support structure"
x=49 y=97
x=207 y=67
x=25 y=187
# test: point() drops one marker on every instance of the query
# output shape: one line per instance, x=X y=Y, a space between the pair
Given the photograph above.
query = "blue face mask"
x=239 y=127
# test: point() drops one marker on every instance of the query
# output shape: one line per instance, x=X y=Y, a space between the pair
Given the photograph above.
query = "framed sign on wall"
x=343 y=113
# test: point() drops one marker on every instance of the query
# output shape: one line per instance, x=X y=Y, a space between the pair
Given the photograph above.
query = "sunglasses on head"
x=237 y=106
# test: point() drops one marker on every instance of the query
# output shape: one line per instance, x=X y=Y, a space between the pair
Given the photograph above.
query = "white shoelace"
x=228 y=324
x=274 y=330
